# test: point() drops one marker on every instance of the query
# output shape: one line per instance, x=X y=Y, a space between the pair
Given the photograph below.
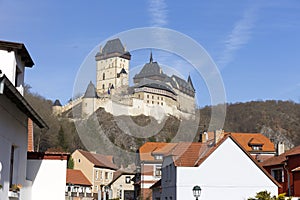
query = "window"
x=152 y=97
x=11 y=171
x=152 y=102
x=106 y=175
x=278 y=174
x=158 y=171
x=147 y=101
x=127 y=179
x=139 y=96
x=96 y=187
x=103 y=76
x=148 y=96
x=256 y=147
x=79 y=160
x=161 y=98
x=157 y=98
x=162 y=103
x=97 y=175
x=158 y=157
x=103 y=86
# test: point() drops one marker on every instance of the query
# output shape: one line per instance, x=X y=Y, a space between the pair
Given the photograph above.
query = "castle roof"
x=182 y=85
x=56 y=103
x=150 y=70
x=154 y=84
x=90 y=91
x=113 y=48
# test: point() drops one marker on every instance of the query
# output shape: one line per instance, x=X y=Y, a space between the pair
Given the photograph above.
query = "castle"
x=154 y=93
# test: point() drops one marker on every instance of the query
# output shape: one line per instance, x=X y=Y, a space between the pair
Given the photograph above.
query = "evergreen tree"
x=61 y=139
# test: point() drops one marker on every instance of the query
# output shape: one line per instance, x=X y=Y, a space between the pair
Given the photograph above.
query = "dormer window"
x=256 y=147
x=158 y=157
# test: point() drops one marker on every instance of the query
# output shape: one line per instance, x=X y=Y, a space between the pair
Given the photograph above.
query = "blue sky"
x=255 y=44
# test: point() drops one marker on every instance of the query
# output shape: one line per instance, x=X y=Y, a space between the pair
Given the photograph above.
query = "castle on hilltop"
x=154 y=93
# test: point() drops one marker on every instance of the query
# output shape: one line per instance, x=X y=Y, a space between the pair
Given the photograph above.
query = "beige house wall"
x=120 y=184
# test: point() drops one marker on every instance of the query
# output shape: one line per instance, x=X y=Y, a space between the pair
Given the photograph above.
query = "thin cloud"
x=158 y=12
x=239 y=36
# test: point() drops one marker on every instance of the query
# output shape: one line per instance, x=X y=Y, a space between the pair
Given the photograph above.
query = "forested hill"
x=279 y=120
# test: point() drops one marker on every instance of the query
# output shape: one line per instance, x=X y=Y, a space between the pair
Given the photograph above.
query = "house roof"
x=76 y=177
x=118 y=174
x=195 y=155
x=280 y=159
x=14 y=95
x=248 y=139
x=99 y=160
x=187 y=154
x=146 y=150
x=47 y=155
x=157 y=184
x=20 y=49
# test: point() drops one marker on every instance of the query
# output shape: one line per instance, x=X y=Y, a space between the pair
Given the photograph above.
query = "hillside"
x=279 y=120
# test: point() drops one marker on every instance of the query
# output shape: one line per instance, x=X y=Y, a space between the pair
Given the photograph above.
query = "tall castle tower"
x=112 y=67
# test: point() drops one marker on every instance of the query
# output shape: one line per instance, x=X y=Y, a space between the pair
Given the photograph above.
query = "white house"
x=15 y=112
x=223 y=171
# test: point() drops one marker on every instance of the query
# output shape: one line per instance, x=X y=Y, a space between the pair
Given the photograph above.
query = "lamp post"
x=196 y=191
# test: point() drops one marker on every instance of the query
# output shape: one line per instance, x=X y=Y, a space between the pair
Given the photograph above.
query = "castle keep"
x=154 y=93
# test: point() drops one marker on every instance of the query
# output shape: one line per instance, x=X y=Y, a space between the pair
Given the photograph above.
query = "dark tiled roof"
x=190 y=82
x=149 y=70
x=113 y=46
x=183 y=86
x=99 y=160
x=154 y=84
x=76 y=177
x=118 y=174
x=90 y=91
x=56 y=103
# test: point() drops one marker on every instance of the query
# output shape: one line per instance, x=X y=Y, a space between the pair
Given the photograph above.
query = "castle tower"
x=89 y=100
x=56 y=107
x=112 y=66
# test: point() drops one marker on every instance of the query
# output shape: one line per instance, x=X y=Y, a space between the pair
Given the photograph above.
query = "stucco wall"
x=13 y=131
x=48 y=179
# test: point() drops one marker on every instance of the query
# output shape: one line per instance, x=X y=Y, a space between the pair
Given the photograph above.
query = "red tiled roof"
x=248 y=139
x=148 y=148
x=187 y=154
x=76 y=177
x=277 y=160
x=99 y=160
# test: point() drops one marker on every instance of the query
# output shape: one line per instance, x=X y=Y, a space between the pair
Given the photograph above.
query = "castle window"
x=147 y=95
x=103 y=76
x=158 y=103
x=139 y=96
x=103 y=86
x=157 y=98
x=161 y=98
x=152 y=97
x=152 y=102
x=147 y=101
x=162 y=103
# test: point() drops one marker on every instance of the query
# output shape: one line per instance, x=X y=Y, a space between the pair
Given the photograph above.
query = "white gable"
x=228 y=173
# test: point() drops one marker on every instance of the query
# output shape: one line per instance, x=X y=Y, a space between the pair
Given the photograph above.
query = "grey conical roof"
x=113 y=46
x=90 y=91
x=190 y=82
x=56 y=103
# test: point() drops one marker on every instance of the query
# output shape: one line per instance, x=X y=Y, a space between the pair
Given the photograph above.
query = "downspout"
x=288 y=176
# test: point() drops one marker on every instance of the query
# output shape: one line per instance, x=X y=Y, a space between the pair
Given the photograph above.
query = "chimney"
x=218 y=135
x=280 y=148
x=30 y=146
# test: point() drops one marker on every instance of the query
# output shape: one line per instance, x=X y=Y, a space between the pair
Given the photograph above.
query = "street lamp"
x=196 y=191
